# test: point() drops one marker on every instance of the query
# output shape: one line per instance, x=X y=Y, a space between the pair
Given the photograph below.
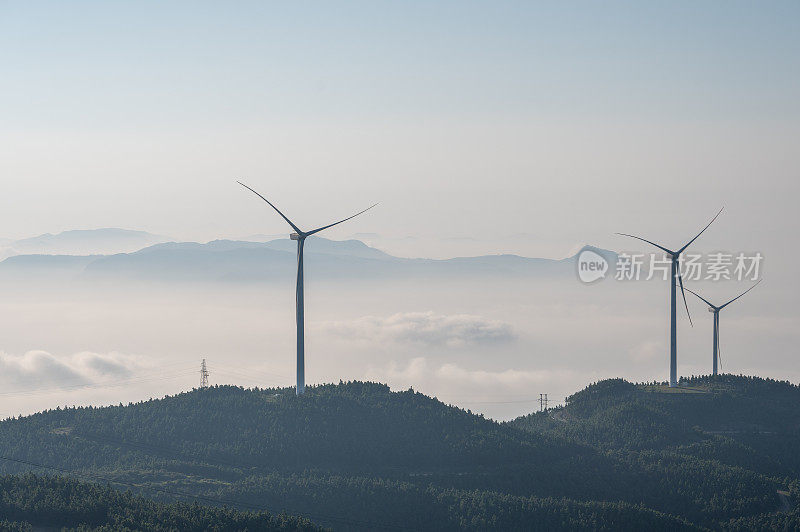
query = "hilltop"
x=732 y=419
x=358 y=456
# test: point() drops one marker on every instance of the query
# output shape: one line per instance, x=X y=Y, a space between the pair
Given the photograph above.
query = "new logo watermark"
x=591 y=266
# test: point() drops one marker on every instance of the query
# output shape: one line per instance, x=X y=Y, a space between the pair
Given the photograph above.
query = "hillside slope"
x=744 y=421
x=746 y=425
x=358 y=456
x=31 y=502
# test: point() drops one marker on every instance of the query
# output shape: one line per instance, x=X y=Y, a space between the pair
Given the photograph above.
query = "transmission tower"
x=204 y=374
x=542 y=402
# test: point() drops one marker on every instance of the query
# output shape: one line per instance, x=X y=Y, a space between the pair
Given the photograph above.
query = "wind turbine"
x=301 y=236
x=715 y=309
x=673 y=336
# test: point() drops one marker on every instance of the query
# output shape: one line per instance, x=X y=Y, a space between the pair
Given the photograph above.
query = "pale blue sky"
x=474 y=117
x=84 y=64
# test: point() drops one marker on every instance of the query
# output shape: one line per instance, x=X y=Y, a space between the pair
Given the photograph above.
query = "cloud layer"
x=457 y=330
x=39 y=369
x=419 y=370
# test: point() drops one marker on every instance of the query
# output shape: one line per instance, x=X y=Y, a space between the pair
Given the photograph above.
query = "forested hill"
x=31 y=502
x=351 y=427
x=746 y=421
x=356 y=456
x=725 y=423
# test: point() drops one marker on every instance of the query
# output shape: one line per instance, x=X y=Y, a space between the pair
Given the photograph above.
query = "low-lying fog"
x=491 y=346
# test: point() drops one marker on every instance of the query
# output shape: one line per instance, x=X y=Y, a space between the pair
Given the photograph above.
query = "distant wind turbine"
x=300 y=236
x=715 y=309
x=676 y=273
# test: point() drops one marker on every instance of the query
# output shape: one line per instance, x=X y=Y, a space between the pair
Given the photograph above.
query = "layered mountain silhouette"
x=231 y=261
x=81 y=242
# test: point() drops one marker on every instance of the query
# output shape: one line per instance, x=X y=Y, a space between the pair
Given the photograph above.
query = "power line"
x=251 y=373
x=109 y=384
x=496 y=402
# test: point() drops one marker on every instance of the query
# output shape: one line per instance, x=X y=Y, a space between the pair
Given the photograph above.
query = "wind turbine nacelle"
x=712 y=309
x=294 y=236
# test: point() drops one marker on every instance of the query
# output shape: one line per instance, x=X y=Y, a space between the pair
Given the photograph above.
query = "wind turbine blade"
x=680 y=280
x=701 y=297
x=701 y=232
x=643 y=240
x=340 y=221
x=274 y=207
x=740 y=295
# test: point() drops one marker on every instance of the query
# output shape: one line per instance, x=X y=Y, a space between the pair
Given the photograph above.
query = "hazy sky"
x=461 y=118
x=562 y=121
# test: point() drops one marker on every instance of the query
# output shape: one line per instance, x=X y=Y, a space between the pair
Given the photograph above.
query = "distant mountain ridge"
x=352 y=248
x=232 y=260
x=81 y=242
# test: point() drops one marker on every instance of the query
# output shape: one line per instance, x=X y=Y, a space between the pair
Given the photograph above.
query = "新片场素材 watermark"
x=717 y=266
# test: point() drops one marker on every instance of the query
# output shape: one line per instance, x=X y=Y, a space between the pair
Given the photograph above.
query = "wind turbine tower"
x=676 y=273
x=301 y=236
x=715 y=310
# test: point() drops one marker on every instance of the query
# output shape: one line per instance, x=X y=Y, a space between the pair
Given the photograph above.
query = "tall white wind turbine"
x=301 y=236
x=676 y=273
x=715 y=309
